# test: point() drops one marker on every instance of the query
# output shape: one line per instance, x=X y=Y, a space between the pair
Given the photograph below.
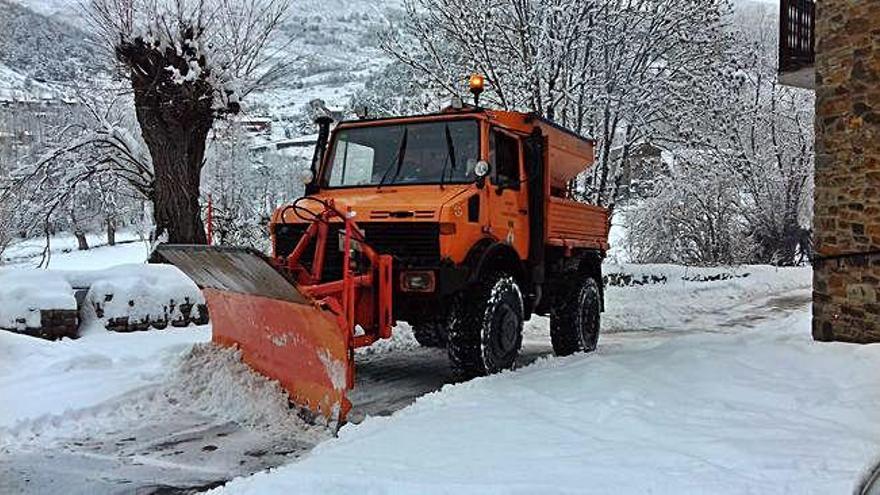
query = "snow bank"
x=205 y=379
x=25 y=293
x=760 y=411
x=137 y=296
x=679 y=302
x=50 y=381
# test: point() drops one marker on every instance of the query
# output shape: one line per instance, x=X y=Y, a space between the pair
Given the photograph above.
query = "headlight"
x=417 y=281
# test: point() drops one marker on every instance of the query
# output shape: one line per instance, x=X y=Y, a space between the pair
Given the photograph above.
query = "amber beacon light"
x=476 y=83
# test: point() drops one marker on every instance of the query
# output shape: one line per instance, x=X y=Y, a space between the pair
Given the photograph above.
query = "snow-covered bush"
x=695 y=218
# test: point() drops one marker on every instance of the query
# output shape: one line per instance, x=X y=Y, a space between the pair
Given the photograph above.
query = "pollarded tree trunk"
x=174 y=97
x=176 y=141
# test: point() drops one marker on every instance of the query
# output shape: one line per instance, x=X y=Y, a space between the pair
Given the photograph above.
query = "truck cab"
x=473 y=206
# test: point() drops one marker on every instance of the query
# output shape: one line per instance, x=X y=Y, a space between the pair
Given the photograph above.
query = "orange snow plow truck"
x=458 y=223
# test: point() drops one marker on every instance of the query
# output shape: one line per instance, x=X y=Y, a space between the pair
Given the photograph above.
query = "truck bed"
x=576 y=225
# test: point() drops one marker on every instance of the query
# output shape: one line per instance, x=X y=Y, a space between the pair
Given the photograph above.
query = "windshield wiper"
x=450 y=150
x=400 y=153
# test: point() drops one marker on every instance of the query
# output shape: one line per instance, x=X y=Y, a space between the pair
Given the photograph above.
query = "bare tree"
x=754 y=141
x=6 y=224
x=613 y=69
x=695 y=217
x=188 y=63
x=91 y=168
x=764 y=131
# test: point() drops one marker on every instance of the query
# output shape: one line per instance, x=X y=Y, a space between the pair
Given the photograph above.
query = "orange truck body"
x=356 y=255
x=504 y=218
x=468 y=221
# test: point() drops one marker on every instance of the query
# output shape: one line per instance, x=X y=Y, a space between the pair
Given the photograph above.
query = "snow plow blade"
x=282 y=333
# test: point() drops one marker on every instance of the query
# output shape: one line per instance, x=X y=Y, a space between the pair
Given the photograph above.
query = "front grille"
x=411 y=244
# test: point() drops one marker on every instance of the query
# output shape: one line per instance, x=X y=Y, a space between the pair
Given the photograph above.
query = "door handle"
x=523 y=211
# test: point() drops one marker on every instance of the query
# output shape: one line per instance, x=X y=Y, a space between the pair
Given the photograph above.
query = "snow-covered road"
x=706 y=387
x=762 y=410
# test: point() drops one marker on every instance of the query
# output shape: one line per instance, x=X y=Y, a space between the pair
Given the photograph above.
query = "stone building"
x=846 y=72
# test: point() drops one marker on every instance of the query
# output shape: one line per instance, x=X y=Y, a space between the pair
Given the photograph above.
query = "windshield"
x=419 y=153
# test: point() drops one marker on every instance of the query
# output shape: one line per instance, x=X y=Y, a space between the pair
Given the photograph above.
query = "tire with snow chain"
x=575 y=317
x=487 y=335
x=430 y=334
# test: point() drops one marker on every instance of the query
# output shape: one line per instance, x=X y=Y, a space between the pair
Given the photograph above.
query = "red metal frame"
x=359 y=299
x=210 y=221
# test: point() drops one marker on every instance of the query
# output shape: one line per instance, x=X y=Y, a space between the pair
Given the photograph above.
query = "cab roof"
x=504 y=118
x=568 y=153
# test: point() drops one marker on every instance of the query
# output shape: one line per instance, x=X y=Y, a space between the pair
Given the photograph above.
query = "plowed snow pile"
x=47 y=379
x=208 y=380
x=159 y=411
x=214 y=381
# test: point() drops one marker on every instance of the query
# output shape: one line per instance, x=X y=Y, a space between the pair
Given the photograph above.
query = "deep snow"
x=751 y=407
x=24 y=293
x=697 y=387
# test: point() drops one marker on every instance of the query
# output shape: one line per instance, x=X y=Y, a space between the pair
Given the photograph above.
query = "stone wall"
x=846 y=302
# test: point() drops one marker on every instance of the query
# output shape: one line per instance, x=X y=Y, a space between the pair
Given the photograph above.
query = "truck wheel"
x=488 y=335
x=430 y=334
x=574 y=319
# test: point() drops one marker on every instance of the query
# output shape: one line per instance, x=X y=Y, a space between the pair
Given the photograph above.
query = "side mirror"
x=306 y=176
x=309 y=181
x=481 y=169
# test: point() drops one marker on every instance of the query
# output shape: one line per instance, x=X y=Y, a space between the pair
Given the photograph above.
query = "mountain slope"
x=43 y=48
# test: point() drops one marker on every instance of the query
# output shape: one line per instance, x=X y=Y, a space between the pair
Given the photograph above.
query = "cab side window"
x=504 y=159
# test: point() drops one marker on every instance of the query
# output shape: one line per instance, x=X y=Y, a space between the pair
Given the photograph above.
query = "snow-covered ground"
x=64 y=255
x=757 y=410
x=697 y=387
x=140 y=412
x=48 y=379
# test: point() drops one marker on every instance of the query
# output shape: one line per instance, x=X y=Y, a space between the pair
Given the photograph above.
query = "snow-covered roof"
x=255 y=120
x=305 y=141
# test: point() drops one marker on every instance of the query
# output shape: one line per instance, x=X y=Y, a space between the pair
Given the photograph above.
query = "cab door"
x=507 y=195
